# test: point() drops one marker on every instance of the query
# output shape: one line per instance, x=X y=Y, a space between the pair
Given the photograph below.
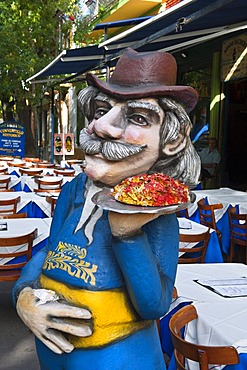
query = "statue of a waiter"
x=92 y=296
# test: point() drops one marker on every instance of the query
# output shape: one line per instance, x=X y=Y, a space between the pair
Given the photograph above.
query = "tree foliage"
x=28 y=42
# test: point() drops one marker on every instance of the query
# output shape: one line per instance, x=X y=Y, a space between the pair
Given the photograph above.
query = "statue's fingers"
x=57 y=342
x=71 y=326
x=64 y=310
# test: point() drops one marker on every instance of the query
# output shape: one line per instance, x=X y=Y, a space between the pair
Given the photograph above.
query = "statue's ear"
x=177 y=145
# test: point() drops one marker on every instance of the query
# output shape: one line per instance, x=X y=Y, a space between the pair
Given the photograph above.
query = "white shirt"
x=210 y=157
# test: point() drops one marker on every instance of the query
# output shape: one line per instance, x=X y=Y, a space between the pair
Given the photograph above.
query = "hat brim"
x=185 y=95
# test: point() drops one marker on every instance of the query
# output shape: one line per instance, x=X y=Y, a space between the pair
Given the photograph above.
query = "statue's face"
x=122 y=140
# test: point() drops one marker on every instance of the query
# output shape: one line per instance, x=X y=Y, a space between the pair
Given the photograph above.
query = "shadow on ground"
x=17 y=347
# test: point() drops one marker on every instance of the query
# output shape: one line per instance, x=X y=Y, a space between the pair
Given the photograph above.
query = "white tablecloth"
x=226 y=196
x=221 y=321
x=23 y=226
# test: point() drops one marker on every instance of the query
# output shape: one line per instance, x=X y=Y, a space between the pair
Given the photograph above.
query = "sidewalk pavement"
x=17 y=347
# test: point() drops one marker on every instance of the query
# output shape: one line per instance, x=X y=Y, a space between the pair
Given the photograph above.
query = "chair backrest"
x=196 y=254
x=14 y=215
x=183 y=213
x=31 y=171
x=45 y=165
x=71 y=162
x=3 y=170
x=49 y=184
x=17 y=246
x=9 y=206
x=4 y=182
x=64 y=172
x=16 y=164
x=204 y=355
x=207 y=215
x=238 y=231
x=52 y=201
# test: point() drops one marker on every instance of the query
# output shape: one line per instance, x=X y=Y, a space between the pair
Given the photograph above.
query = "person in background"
x=210 y=158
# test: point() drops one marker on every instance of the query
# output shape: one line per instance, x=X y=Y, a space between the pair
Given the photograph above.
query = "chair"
x=16 y=164
x=51 y=183
x=238 y=232
x=18 y=246
x=3 y=170
x=30 y=171
x=14 y=215
x=64 y=172
x=203 y=355
x=9 y=206
x=4 y=182
x=71 y=162
x=45 y=165
x=197 y=253
x=183 y=213
x=52 y=201
x=207 y=215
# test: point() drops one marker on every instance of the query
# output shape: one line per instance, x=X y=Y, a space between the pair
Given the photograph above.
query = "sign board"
x=12 y=139
x=234 y=59
x=63 y=144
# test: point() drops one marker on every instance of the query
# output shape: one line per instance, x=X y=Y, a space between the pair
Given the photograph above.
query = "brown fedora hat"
x=143 y=75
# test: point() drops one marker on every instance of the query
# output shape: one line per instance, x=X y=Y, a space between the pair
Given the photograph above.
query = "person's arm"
x=148 y=261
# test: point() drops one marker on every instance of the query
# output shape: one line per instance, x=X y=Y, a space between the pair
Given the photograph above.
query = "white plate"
x=105 y=200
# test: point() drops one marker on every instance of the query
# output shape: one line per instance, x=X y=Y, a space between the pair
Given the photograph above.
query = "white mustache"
x=111 y=150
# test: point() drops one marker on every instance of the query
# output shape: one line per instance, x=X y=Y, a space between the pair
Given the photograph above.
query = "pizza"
x=155 y=190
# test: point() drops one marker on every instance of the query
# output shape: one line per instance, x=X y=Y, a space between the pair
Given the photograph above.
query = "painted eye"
x=100 y=112
x=138 y=119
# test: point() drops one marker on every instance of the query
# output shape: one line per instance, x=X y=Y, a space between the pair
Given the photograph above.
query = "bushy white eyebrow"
x=102 y=97
x=143 y=105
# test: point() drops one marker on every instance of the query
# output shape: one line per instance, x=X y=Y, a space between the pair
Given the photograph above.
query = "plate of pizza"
x=146 y=193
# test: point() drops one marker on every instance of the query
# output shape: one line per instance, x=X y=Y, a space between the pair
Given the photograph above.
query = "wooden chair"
x=71 y=162
x=52 y=184
x=4 y=182
x=203 y=355
x=238 y=232
x=3 y=171
x=45 y=165
x=183 y=213
x=9 y=206
x=64 y=172
x=18 y=246
x=197 y=253
x=207 y=215
x=52 y=201
x=16 y=164
x=31 y=171
x=14 y=215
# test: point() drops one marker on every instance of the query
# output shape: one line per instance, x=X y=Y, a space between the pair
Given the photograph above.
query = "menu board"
x=12 y=139
x=232 y=287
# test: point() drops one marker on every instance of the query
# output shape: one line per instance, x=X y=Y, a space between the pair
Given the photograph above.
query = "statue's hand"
x=48 y=320
x=124 y=225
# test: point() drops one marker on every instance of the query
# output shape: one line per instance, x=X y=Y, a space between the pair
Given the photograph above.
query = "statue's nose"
x=109 y=125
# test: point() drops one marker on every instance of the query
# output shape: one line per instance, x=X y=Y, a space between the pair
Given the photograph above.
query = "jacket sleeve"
x=32 y=270
x=149 y=263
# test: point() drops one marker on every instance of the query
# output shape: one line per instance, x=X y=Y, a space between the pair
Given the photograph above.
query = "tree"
x=28 y=42
x=32 y=34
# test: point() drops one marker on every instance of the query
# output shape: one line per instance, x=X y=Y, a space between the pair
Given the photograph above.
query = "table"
x=222 y=321
x=213 y=253
x=229 y=198
x=34 y=205
x=26 y=225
